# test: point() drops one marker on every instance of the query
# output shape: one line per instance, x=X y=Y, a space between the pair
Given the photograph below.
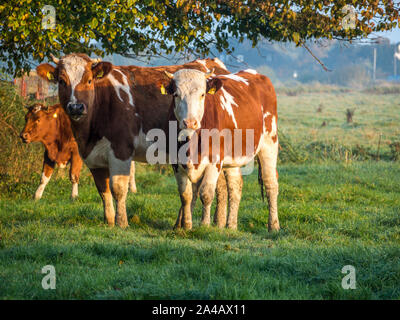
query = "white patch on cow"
x=220 y=63
x=124 y=86
x=62 y=165
x=235 y=77
x=98 y=157
x=252 y=71
x=75 y=68
x=273 y=127
x=265 y=114
x=226 y=104
x=230 y=161
x=203 y=63
x=74 y=192
x=132 y=182
x=43 y=182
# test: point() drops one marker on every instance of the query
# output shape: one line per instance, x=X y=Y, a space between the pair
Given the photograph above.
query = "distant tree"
x=152 y=27
x=349 y=115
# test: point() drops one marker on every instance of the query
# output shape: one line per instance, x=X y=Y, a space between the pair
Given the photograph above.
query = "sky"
x=394 y=35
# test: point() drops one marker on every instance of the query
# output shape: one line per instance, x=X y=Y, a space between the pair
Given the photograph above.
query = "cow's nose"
x=191 y=124
x=24 y=135
x=75 y=109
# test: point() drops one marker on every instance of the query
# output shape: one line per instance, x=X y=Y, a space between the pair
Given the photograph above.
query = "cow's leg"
x=222 y=198
x=74 y=173
x=207 y=191
x=47 y=171
x=132 y=182
x=186 y=194
x=234 y=182
x=268 y=157
x=119 y=181
x=102 y=180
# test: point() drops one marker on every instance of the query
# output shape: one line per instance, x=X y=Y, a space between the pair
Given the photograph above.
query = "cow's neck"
x=55 y=142
x=90 y=130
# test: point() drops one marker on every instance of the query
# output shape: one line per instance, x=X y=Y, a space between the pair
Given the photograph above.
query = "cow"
x=112 y=108
x=51 y=126
x=233 y=107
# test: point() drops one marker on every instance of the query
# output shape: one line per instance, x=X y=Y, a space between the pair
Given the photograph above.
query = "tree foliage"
x=151 y=27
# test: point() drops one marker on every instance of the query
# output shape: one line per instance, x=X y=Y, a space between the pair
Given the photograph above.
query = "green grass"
x=374 y=115
x=331 y=215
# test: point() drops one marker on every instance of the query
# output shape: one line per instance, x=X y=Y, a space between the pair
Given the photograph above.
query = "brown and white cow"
x=238 y=111
x=112 y=108
x=51 y=126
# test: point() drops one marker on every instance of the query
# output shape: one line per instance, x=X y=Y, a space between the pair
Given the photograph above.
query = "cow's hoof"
x=133 y=189
x=110 y=223
x=123 y=225
x=232 y=226
x=273 y=227
x=220 y=225
x=205 y=223
x=177 y=226
x=187 y=226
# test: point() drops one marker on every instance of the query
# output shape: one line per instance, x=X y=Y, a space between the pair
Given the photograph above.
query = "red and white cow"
x=112 y=108
x=238 y=111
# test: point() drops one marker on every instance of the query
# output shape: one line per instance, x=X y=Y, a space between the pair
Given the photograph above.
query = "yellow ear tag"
x=50 y=76
x=163 y=91
x=55 y=115
x=100 y=74
x=211 y=91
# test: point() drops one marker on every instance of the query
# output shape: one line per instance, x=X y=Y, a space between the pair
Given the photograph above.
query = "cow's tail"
x=260 y=180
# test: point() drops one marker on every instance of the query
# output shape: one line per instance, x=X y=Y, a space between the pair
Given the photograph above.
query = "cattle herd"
x=208 y=123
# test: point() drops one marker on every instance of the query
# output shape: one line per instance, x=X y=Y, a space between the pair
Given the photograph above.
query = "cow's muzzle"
x=25 y=137
x=191 y=124
x=76 y=110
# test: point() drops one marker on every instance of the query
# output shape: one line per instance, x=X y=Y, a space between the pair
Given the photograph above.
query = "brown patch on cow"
x=274 y=138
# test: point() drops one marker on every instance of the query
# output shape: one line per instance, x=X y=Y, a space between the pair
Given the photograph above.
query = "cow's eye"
x=61 y=82
x=38 y=120
x=90 y=81
x=175 y=94
x=203 y=95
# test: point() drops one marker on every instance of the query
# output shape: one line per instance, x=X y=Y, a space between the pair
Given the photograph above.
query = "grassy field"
x=332 y=215
x=333 y=212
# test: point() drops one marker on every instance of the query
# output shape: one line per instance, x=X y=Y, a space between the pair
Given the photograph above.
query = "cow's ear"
x=101 y=69
x=213 y=85
x=167 y=88
x=47 y=72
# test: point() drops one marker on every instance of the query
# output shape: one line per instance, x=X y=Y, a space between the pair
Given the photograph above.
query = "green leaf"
x=94 y=23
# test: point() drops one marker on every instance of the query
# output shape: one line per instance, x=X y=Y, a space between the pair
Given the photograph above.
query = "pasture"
x=337 y=207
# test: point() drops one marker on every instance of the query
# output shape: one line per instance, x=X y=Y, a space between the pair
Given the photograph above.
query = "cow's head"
x=76 y=75
x=189 y=88
x=40 y=122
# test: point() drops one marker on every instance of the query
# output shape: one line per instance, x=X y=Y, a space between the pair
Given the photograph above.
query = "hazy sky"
x=394 y=35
